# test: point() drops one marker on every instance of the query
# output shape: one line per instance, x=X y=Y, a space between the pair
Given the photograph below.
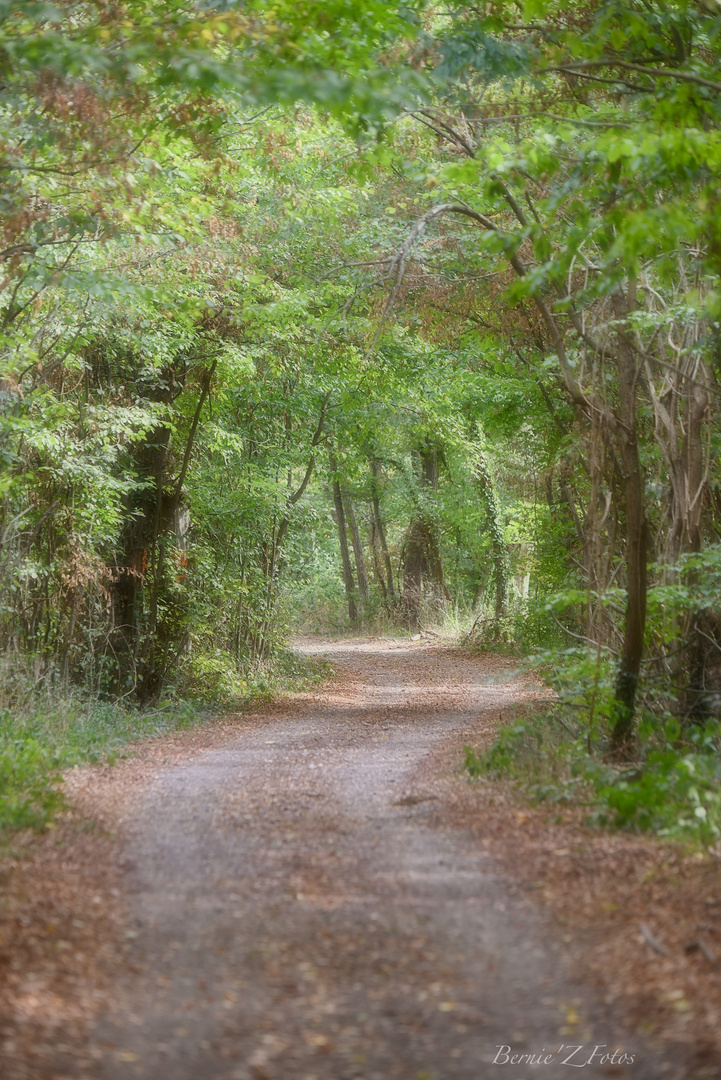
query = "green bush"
x=42 y=733
x=28 y=783
x=674 y=794
x=674 y=790
x=45 y=734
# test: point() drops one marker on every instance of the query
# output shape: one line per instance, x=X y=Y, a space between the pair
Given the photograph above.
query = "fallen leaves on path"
x=64 y=935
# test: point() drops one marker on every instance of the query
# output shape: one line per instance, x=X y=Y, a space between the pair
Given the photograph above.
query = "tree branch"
x=191 y=435
x=625 y=65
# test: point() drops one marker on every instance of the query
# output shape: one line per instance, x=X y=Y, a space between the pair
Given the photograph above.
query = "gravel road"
x=299 y=911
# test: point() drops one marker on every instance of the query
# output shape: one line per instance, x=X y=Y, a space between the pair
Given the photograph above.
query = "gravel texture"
x=299 y=895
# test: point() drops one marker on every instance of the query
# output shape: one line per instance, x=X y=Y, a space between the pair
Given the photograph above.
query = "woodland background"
x=354 y=315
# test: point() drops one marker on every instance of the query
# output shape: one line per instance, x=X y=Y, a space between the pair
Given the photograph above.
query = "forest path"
x=299 y=911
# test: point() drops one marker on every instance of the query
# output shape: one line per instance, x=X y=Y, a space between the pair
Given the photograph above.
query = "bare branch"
x=625 y=65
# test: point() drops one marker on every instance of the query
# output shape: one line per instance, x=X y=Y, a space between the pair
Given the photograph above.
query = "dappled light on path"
x=299 y=908
x=297 y=905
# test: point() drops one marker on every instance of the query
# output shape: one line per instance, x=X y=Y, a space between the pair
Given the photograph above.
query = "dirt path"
x=296 y=908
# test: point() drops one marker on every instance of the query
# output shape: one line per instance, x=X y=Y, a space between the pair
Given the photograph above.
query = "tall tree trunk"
x=624 y=704
x=380 y=530
x=135 y=562
x=413 y=561
x=422 y=555
x=696 y=708
x=377 y=559
x=689 y=391
x=434 y=562
x=360 y=564
x=348 y=581
x=143 y=645
x=499 y=555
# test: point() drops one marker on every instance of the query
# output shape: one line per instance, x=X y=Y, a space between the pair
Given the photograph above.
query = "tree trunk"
x=624 y=704
x=434 y=562
x=413 y=560
x=149 y=627
x=380 y=530
x=690 y=390
x=348 y=581
x=499 y=555
x=144 y=523
x=696 y=706
x=360 y=564
x=422 y=555
x=377 y=559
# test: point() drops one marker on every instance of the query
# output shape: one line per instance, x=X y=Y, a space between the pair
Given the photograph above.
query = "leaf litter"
x=314 y=889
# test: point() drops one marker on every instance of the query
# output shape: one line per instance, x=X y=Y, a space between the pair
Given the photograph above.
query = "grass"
x=673 y=789
x=46 y=730
x=54 y=731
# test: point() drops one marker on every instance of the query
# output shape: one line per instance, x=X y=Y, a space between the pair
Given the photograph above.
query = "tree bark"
x=377 y=559
x=434 y=562
x=413 y=560
x=422 y=555
x=140 y=536
x=696 y=708
x=687 y=391
x=624 y=704
x=380 y=530
x=348 y=581
x=360 y=565
x=298 y=494
x=499 y=554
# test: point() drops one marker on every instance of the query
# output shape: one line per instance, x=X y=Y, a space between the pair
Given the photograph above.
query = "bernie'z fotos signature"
x=577 y=1057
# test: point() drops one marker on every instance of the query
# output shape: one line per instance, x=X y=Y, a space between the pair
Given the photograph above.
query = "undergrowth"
x=45 y=730
x=673 y=789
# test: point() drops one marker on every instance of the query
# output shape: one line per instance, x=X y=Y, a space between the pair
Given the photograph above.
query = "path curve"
x=299 y=911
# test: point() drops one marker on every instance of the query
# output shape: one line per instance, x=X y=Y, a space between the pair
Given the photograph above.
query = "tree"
x=589 y=170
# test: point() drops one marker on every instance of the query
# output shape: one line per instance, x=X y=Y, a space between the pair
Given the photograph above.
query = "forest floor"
x=315 y=891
